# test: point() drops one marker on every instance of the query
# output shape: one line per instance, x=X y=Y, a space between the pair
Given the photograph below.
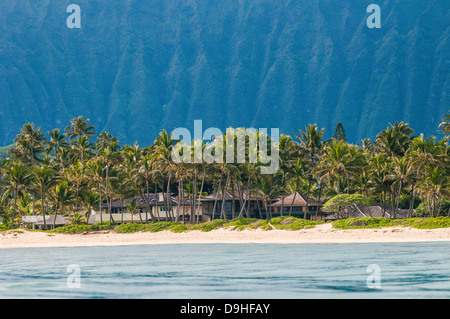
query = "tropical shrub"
x=292 y=223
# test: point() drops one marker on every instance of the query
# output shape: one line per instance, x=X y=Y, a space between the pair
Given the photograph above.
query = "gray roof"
x=375 y=210
x=49 y=219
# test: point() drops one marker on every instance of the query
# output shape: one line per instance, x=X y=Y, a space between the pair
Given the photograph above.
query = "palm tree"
x=401 y=175
x=89 y=201
x=29 y=144
x=132 y=208
x=143 y=174
x=16 y=178
x=339 y=159
x=61 y=196
x=162 y=154
x=269 y=189
x=44 y=178
x=56 y=143
x=76 y=173
x=298 y=170
x=82 y=148
x=395 y=139
x=311 y=144
x=436 y=183
x=80 y=127
x=445 y=125
x=95 y=172
x=107 y=147
x=77 y=219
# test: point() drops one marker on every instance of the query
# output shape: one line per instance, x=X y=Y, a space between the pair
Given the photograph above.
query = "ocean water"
x=209 y=271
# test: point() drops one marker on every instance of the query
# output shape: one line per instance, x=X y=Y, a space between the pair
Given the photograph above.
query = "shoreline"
x=321 y=234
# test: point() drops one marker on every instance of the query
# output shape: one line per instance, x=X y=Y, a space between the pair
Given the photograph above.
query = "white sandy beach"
x=319 y=234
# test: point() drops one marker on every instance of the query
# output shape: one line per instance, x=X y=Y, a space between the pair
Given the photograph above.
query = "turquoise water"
x=407 y=270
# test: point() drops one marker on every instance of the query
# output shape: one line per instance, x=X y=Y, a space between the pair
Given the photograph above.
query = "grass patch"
x=363 y=222
x=431 y=223
x=247 y=223
x=71 y=229
x=151 y=227
x=292 y=223
x=78 y=229
x=130 y=228
x=239 y=223
x=208 y=226
x=378 y=222
x=160 y=226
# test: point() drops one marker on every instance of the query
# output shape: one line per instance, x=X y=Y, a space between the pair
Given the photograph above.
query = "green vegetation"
x=430 y=223
x=379 y=222
x=77 y=171
x=363 y=222
x=341 y=205
x=81 y=228
x=4 y=151
x=292 y=223
x=208 y=226
x=247 y=223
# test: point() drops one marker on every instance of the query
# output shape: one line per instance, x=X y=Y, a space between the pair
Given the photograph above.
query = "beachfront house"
x=231 y=204
x=162 y=206
x=300 y=206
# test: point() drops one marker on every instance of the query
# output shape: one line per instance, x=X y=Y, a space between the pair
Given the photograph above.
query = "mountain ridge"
x=136 y=68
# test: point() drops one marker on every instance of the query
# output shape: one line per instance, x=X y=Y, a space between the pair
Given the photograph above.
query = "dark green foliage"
x=208 y=226
x=378 y=222
x=339 y=132
x=237 y=63
x=292 y=223
x=72 y=229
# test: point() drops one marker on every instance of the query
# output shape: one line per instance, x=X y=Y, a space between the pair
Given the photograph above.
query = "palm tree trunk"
x=282 y=196
x=100 y=201
x=339 y=183
x=429 y=207
x=215 y=199
x=398 y=200
x=293 y=199
x=43 y=208
x=434 y=206
x=147 y=195
x=411 y=203
x=249 y=201
x=179 y=199
x=121 y=211
x=232 y=201
x=222 y=209
x=307 y=198
x=15 y=208
x=267 y=213
x=54 y=219
x=146 y=202
x=156 y=202
x=78 y=191
x=168 y=198
x=200 y=197
x=182 y=200
x=259 y=209
x=194 y=195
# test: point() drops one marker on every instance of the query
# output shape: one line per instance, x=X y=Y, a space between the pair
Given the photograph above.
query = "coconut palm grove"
x=75 y=171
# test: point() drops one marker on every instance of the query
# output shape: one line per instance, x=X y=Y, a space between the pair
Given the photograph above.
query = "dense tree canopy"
x=75 y=171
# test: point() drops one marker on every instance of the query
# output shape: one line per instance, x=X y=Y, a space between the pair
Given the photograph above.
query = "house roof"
x=228 y=195
x=299 y=200
x=153 y=201
x=375 y=210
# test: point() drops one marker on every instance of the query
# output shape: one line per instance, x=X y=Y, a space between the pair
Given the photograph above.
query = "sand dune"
x=319 y=234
